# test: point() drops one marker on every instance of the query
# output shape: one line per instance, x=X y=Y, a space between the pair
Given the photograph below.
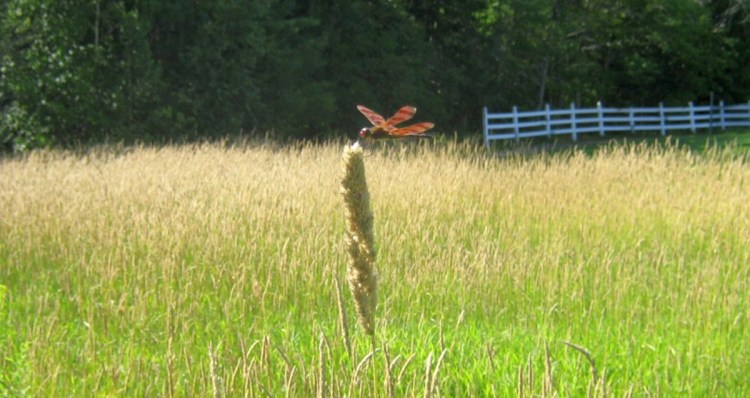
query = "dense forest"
x=82 y=71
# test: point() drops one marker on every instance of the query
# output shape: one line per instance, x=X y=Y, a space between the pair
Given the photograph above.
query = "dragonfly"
x=382 y=128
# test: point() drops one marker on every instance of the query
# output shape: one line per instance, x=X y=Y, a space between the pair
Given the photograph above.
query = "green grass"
x=738 y=139
x=209 y=270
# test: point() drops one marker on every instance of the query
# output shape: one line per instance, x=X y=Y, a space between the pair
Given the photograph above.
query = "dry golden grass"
x=209 y=270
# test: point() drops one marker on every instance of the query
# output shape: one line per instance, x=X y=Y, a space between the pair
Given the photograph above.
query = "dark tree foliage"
x=82 y=71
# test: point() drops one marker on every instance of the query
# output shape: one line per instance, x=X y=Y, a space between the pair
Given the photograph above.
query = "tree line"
x=81 y=71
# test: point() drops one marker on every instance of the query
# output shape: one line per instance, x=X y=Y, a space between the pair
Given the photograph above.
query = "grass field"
x=210 y=270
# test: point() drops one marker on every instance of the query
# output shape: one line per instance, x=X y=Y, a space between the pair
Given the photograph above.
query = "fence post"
x=515 y=122
x=631 y=121
x=573 y=130
x=722 y=119
x=711 y=113
x=486 y=128
x=662 y=119
x=549 y=119
x=692 y=117
x=601 y=118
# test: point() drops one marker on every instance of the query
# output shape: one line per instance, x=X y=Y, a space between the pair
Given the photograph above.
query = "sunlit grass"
x=209 y=270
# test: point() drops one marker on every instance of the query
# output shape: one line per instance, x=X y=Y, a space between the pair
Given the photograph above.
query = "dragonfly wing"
x=414 y=129
x=403 y=114
x=371 y=115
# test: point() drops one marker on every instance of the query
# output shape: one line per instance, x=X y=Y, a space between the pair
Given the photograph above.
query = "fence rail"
x=601 y=120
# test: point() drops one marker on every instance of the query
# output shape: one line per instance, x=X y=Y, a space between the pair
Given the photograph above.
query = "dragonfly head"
x=365 y=132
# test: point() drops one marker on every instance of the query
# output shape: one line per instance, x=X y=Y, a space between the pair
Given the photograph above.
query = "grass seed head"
x=360 y=238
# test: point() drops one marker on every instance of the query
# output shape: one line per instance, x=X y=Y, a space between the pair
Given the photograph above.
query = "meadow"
x=218 y=269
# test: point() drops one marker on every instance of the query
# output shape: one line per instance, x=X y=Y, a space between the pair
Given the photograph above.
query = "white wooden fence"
x=574 y=121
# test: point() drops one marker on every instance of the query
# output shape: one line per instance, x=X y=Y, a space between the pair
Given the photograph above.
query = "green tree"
x=535 y=60
x=375 y=55
x=649 y=51
x=73 y=72
x=463 y=59
x=208 y=54
x=296 y=96
x=90 y=70
x=47 y=71
x=731 y=18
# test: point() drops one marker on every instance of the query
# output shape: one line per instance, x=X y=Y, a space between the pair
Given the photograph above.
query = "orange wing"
x=403 y=114
x=414 y=129
x=371 y=115
x=388 y=126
